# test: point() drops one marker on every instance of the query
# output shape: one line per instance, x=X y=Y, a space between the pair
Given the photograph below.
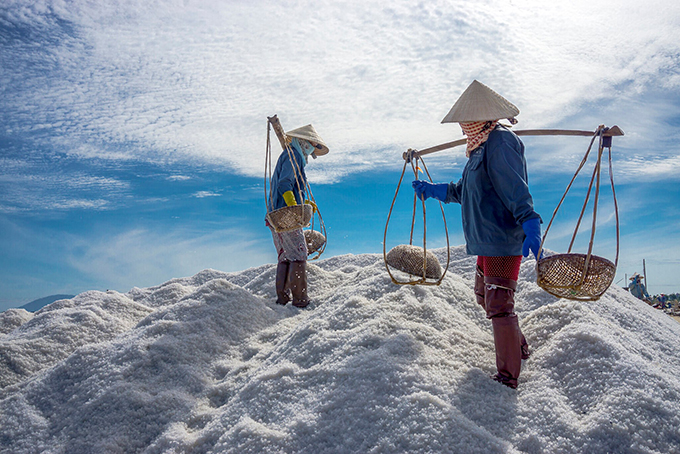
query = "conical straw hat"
x=480 y=103
x=309 y=133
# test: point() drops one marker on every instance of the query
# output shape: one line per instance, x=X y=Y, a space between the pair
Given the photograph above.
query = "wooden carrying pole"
x=613 y=131
x=278 y=129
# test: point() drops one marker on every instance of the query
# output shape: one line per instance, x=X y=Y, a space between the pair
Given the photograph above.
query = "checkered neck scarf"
x=477 y=132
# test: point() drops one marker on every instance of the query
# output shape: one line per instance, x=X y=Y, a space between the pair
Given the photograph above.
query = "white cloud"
x=33 y=189
x=164 y=80
x=202 y=194
x=141 y=257
x=650 y=168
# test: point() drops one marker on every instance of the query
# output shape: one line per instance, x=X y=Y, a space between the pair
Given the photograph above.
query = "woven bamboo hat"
x=309 y=133
x=480 y=103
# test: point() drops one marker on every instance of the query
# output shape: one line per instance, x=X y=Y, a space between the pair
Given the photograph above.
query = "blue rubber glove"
x=532 y=241
x=425 y=190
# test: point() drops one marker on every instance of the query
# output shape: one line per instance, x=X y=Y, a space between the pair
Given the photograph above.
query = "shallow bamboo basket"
x=409 y=259
x=562 y=275
x=290 y=218
x=315 y=240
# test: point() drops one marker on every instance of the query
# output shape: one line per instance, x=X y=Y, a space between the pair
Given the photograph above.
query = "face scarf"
x=477 y=132
x=303 y=147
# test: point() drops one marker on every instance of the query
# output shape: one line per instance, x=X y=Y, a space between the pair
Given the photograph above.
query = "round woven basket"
x=290 y=218
x=409 y=259
x=315 y=241
x=561 y=275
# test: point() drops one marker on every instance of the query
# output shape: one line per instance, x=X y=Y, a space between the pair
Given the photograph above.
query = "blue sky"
x=132 y=136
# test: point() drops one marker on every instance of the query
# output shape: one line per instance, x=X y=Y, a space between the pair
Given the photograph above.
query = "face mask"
x=303 y=147
x=308 y=148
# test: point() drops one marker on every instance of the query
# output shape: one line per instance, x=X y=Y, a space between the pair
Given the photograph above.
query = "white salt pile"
x=210 y=364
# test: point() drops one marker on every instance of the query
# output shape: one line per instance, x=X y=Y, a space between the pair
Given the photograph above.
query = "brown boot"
x=282 y=292
x=526 y=353
x=508 y=339
x=499 y=296
x=479 y=287
x=502 y=304
x=297 y=279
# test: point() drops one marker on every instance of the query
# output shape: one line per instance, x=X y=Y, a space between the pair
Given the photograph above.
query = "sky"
x=132 y=134
x=211 y=364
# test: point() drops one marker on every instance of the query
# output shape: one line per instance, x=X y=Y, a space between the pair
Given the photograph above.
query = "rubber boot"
x=283 y=294
x=526 y=353
x=504 y=306
x=479 y=287
x=500 y=305
x=506 y=338
x=297 y=282
x=499 y=296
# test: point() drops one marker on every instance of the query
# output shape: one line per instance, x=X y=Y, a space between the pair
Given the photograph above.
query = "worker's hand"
x=532 y=240
x=289 y=198
x=314 y=208
x=425 y=190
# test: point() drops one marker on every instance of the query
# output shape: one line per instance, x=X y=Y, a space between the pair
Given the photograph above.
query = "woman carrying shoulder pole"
x=288 y=183
x=499 y=221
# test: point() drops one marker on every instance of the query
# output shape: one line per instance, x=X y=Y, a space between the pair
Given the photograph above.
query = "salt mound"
x=210 y=364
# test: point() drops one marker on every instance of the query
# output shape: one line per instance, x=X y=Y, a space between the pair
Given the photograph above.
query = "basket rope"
x=577 y=276
x=423 y=280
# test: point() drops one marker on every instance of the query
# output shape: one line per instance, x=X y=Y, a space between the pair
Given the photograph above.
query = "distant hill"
x=42 y=302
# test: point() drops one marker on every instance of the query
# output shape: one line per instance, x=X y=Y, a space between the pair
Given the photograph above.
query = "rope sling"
x=582 y=277
x=410 y=259
x=296 y=216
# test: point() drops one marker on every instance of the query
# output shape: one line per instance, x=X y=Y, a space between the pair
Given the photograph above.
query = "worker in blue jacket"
x=637 y=288
x=288 y=185
x=499 y=221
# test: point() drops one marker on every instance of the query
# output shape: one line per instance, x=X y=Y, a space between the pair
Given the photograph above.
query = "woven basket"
x=315 y=241
x=561 y=276
x=409 y=259
x=290 y=218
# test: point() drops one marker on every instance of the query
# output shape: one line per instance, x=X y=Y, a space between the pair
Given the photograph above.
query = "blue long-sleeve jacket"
x=494 y=196
x=638 y=290
x=283 y=179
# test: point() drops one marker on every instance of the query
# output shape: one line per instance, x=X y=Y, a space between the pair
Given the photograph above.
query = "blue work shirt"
x=283 y=178
x=494 y=196
x=638 y=290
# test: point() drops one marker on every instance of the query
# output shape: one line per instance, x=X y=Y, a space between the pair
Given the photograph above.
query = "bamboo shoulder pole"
x=610 y=132
x=278 y=129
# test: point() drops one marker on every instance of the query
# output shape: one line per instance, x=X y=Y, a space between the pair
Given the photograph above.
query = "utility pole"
x=644 y=271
